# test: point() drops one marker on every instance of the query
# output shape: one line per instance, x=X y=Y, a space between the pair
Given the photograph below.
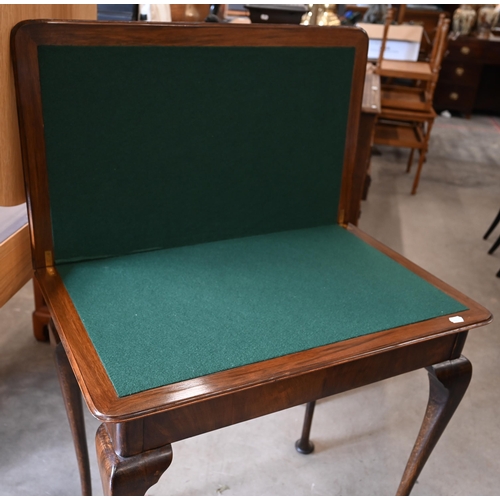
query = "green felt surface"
x=160 y=317
x=157 y=147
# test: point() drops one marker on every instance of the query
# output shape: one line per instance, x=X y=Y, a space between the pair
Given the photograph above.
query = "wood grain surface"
x=16 y=269
x=11 y=172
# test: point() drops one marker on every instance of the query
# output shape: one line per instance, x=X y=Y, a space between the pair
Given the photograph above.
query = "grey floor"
x=363 y=437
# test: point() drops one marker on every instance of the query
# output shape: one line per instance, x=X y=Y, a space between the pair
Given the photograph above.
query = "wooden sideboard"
x=470 y=76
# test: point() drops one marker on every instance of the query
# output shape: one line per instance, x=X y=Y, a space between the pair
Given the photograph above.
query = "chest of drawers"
x=470 y=77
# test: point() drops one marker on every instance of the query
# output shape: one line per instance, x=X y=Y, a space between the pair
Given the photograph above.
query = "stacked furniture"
x=191 y=290
x=423 y=15
x=407 y=113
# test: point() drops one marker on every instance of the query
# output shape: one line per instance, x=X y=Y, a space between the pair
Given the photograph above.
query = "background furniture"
x=255 y=233
x=15 y=252
x=370 y=109
x=494 y=224
x=407 y=115
x=11 y=172
x=424 y=15
x=400 y=128
x=276 y=13
x=117 y=12
x=470 y=76
x=420 y=95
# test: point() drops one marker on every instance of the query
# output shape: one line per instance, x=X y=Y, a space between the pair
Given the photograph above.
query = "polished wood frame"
x=134 y=441
x=27 y=36
x=107 y=406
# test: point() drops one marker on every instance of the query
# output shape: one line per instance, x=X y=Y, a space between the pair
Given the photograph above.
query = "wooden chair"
x=400 y=128
x=191 y=290
x=407 y=115
x=417 y=97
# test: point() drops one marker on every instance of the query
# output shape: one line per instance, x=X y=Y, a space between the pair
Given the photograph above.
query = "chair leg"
x=495 y=246
x=448 y=383
x=129 y=475
x=493 y=226
x=422 y=154
x=74 y=409
x=303 y=445
x=410 y=161
x=421 y=157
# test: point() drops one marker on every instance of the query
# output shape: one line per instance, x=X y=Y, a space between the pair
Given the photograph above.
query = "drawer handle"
x=454 y=96
x=465 y=50
x=459 y=71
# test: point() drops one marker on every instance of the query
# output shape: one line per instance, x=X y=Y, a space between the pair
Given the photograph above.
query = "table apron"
x=150 y=432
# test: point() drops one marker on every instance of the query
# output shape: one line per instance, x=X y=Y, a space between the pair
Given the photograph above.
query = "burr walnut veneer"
x=198 y=259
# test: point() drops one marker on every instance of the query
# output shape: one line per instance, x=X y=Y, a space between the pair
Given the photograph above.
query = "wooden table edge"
x=103 y=402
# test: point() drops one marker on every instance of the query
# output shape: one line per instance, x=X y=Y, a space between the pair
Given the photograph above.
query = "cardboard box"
x=403 y=41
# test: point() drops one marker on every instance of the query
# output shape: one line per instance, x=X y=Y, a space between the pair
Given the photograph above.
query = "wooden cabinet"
x=11 y=175
x=15 y=247
x=470 y=77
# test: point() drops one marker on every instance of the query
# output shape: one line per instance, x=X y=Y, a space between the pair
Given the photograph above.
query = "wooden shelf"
x=393 y=134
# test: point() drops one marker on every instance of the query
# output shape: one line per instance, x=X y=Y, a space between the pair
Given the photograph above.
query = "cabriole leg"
x=448 y=383
x=74 y=409
x=132 y=475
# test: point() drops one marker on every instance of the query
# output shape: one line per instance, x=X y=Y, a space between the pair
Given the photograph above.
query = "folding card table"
x=190 y=206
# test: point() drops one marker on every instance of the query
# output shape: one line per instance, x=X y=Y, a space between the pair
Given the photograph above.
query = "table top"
x=162 y=317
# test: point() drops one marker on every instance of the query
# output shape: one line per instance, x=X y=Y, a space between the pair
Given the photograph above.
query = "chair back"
x=388 y=21
x=438 y=46
x=437 y=35
x=438 y=50
x=440 y=43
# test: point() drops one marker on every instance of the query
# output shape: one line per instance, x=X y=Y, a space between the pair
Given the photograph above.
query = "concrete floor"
x=363 y=437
